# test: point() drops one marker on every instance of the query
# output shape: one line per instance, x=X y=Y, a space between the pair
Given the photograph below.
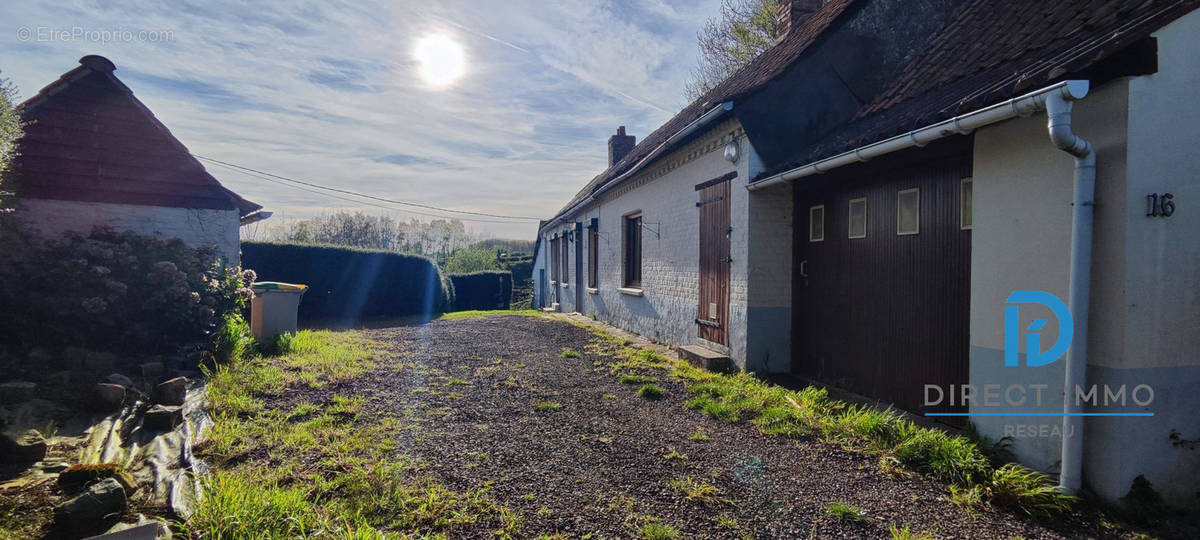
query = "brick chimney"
x=619 y=145
x=792 y=14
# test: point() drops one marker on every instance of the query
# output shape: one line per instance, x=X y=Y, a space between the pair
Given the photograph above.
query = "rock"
x=144 y=529
x=61 y=378
x=152 y=371
x=93 y=509
x=99 y=361
x=27 y=447
x=117 y=378
x=171 y=392
x=16 y=392
x=53 y=468
x=163 y=417
x=109 y=397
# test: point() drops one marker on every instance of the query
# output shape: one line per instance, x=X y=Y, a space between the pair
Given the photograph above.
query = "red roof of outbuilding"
x=89 y=139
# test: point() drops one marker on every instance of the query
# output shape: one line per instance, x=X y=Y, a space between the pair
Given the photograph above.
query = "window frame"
x=811 y=209
x=899 y=197
x=554 y=260
x=593 y=241
x=962 y=225
x=566 y=260
x=850 y=218
x=631 y=250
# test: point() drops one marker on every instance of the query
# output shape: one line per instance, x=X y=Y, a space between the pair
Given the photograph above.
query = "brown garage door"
x=882 y=307
x=712 y=317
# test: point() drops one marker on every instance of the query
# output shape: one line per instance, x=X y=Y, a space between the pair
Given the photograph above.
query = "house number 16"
x=1160 y=205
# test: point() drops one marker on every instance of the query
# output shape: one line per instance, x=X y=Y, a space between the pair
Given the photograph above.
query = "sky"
x=341 y=94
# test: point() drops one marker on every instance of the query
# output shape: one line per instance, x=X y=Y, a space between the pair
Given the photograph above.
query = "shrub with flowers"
x=124 y=293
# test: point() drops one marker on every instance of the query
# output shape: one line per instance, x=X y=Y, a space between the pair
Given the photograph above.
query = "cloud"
x=328 y=92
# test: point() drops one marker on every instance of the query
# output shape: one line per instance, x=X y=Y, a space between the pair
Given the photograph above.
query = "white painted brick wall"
x=670 y=259
x=196 y=227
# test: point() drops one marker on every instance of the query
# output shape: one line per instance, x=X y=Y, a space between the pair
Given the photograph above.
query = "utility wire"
x=357 y=194
x=322 y=193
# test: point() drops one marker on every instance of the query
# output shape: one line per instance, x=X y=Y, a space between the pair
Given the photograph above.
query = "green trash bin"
x=273 y=308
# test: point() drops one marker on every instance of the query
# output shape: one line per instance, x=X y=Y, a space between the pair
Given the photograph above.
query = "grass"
x=637 y=379
x=699 y=435
x=549 y=406
x=697 y=490
x=809 y=412
x=845 y=513
x=569 y=353
x=907 y=534
x=651 y=391
x=654 y=529
x=674 y=456
x=287 y=469
x=475 y=313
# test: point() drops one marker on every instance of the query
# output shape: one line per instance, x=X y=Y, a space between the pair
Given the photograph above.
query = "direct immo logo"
x=1034 y=355
x=1026 y=391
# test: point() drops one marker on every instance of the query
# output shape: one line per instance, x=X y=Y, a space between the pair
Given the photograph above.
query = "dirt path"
x=603 y=462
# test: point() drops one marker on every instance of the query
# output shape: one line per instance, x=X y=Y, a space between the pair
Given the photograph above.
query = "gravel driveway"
x=603 y=462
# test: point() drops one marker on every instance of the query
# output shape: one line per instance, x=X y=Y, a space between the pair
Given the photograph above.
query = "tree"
x=467 y=260
x=11 y=130
x=743 y=30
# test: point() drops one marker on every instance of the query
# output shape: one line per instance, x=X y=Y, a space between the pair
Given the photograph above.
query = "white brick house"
x=94 y=156
x=896 y=171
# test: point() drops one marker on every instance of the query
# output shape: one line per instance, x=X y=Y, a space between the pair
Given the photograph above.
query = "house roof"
x=848 y=76
x=750 y=77
x=89 y=139
x=993 y=50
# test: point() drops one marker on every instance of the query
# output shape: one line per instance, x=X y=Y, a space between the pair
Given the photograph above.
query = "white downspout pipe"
x=1058 y=112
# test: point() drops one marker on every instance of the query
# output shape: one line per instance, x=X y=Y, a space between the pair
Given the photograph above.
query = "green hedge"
x=482 y=290
x=350 y=285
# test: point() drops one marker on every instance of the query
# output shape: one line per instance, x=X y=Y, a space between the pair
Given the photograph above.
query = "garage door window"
x=908 y=211
x=858 y=218
x=816 y=223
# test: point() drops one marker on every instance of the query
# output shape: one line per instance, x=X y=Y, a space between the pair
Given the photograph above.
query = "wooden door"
x=712 y=318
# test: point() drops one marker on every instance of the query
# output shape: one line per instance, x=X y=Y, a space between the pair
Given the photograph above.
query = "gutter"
x=1056 y=100
x=1022 y=106
x=254 y=217
x=696 y=124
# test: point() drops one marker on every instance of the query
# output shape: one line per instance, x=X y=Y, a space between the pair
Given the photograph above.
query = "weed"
x=637 y=379
x=569 y=353
x=544 y=511
x=697 y=490
x=907 y=534
x=699 y=435
x=968 y=498
x=845 y=513
x=726 y=521
x=654 y=529
x=674 y=456
x=608 y=396
x=457 y=382
x=651 y=391
x=1030 y=491
x=549 y=406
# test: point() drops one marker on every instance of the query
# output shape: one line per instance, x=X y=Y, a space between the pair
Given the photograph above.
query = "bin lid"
x=264 y=286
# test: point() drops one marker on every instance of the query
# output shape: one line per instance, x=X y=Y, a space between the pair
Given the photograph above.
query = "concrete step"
x=706 y=358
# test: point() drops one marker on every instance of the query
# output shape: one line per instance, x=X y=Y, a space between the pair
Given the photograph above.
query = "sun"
x=440 y=59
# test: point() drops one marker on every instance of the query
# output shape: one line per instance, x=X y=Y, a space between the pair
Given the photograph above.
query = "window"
x=858 y=218
x=816 y=223
x=908 y=211
x=633 y=251
x=965 y=217
x=566 y=257
x=593 y=241
x=554 y=255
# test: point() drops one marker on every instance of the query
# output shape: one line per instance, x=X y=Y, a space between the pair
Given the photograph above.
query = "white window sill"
x=564 y=285
x=593 y=290
x=629 y=291
x=553 y=282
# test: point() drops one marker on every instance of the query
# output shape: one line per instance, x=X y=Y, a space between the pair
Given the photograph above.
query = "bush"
x=351 y=285
x=123 y=293
x=482 y=290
